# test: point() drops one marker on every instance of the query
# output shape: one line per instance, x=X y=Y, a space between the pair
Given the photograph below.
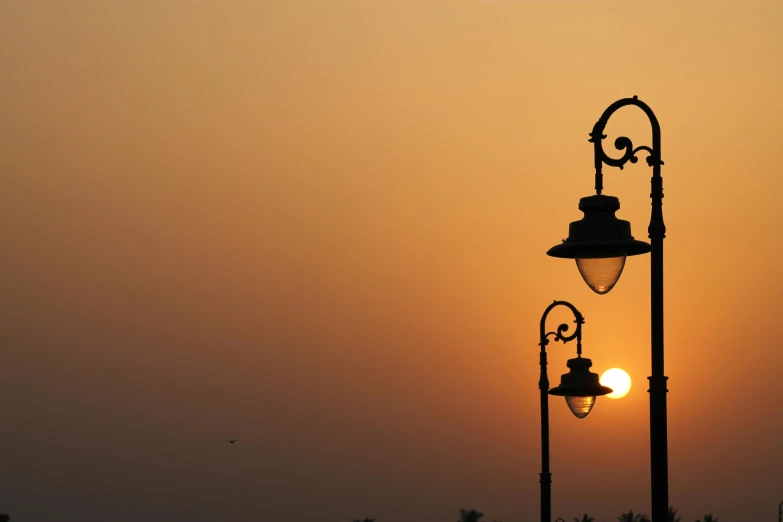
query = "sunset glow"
x=320 y=227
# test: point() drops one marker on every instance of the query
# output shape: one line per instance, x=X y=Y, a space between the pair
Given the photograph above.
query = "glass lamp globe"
x=601 y=273
x=580 y=406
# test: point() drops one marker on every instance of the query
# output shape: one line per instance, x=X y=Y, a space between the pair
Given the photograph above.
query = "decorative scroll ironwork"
x=623 y=143
x=560 y=333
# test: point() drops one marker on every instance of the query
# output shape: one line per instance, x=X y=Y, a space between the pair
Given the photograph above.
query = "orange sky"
x=200 y=197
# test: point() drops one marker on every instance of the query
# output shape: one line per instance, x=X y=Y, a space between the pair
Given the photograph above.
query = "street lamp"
x=579 y=386
x=600 y=244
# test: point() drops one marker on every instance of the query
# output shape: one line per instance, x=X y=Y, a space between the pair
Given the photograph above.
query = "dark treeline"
x=472 y=515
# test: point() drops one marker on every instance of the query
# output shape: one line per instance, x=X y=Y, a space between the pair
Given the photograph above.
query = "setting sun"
x=618 y=380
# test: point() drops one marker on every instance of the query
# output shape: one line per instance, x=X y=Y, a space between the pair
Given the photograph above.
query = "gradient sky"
x=199 y=197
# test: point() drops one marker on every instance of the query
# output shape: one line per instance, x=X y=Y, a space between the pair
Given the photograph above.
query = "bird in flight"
x=231 y=441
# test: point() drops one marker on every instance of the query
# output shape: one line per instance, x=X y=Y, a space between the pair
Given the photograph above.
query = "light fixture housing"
x=599 y=242
x=580 y=387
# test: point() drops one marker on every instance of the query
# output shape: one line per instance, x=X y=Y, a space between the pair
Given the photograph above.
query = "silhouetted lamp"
x=580 y=387
x=599 y=242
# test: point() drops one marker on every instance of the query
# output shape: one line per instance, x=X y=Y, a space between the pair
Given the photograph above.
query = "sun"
x=618 y=380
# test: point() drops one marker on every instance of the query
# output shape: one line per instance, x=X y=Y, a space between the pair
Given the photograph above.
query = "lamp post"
x=579 y=386
x=600 y=243
x=780 y=512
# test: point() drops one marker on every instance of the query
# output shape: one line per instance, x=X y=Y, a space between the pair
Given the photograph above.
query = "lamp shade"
x=599 y=234
x=600 y=243
x=580 y=387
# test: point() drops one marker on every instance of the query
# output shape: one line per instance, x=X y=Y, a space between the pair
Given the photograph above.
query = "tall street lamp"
x=600 y=243
x=579 y=386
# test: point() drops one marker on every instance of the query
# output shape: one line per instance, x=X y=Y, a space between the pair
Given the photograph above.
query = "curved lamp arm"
x=624 y=143
x=560 y=335
x=656 y=229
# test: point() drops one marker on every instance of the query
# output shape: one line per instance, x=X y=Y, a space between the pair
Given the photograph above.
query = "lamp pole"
x=659 y=467
x=600 y=243
x=780 y=512
x=580 y=387
x=543 y=386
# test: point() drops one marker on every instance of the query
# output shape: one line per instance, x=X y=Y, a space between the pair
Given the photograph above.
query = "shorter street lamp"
x=579 y=386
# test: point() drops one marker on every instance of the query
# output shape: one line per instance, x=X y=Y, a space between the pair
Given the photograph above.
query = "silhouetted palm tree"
x=708 y=518
x=585 y=518
x=673 y=515
x=365 y=520
x=4 y=518
x=631 y=517
x=469 y=515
